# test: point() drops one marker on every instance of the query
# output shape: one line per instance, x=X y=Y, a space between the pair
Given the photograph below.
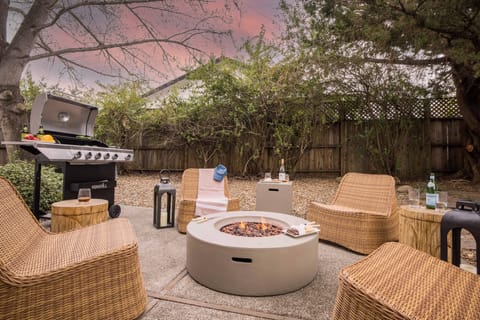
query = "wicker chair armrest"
x=233 y=204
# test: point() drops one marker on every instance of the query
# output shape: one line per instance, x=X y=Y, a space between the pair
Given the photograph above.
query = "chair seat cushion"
x=63 y=251
x=333 y=208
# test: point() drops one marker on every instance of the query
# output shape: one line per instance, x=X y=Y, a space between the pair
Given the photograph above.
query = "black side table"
x=455 y=220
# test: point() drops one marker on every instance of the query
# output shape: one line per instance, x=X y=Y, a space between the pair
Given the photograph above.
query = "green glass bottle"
x=281 y=171
x=431 y=196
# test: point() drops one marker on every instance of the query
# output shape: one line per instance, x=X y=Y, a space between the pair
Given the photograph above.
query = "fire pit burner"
x=251 y=229
x=250 y=266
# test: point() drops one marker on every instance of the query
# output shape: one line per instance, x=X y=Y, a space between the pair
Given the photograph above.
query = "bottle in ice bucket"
x=281 y=171
x=431 y=197
x=24 y=132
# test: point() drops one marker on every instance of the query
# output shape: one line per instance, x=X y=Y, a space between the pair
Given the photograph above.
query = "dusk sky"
x=244 y=25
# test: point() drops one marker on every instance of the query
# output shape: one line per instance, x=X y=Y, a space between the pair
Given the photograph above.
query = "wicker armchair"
x=399 y=282
x=188 y=198
x=89 y=273
x=363 y=215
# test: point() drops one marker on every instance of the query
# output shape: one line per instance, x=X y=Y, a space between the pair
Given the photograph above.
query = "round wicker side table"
x=71 y=214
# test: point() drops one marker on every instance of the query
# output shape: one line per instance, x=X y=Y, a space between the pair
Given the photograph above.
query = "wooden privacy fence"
x=432 y=139
x=435 y=145
x=434 y=142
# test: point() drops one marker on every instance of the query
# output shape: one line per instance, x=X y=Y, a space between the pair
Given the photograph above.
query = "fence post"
x=343 y=141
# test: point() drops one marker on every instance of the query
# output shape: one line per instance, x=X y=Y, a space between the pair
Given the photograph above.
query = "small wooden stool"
x=420 y=229
x=72 y=214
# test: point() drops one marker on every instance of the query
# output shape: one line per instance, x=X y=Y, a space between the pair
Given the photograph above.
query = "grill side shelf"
x=56 y=152
x=27 y=146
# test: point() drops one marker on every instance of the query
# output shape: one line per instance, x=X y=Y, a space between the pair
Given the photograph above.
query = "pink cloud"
x=253 y=18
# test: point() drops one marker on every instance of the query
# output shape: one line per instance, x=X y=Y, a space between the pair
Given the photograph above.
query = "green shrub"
x=22 y=175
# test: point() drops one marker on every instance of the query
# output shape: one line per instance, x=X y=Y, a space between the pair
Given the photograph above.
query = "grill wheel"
x=114 y=211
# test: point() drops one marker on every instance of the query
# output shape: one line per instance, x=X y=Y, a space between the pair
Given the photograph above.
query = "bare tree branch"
x=93 y=35
x=116 y=45
x=17 y=10
x=114 y=38
x=87 y=37
x=164 y=10
x=91 y=69
x=119 y=63
x=409 y=61
x=464 y=32
x=88 y=3
x=149 y=30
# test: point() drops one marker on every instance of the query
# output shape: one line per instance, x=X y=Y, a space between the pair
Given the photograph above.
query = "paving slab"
x=173 y=294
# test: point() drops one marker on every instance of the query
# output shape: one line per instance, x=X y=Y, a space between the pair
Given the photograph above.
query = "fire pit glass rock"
x=250 y=266
x=252 y=229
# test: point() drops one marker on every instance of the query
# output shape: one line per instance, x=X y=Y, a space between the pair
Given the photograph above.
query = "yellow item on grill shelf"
x=47 y=138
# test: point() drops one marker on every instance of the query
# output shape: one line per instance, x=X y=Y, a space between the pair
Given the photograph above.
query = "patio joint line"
x=230 y=309
x=174 y=281
x=163 y=295
x=150 y=305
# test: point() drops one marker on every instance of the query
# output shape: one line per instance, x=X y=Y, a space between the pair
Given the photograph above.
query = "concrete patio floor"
x=173 y=294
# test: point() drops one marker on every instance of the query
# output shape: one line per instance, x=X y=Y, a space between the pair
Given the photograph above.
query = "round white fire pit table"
x=250 y=266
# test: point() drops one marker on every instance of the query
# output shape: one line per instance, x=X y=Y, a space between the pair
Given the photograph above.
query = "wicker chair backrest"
x=190 y=184
x=19 y=229
x=370 y=192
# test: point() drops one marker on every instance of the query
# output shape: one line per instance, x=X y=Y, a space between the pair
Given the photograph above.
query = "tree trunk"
x=468 y=98
x=12 y=117
x=13 y=58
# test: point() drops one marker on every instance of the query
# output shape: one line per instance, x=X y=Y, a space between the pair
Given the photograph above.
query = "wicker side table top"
x=421 y=213
x=73 y=207
x=72 y=214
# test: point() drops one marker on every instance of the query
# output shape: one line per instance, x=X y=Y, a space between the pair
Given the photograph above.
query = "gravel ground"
x=136 y=189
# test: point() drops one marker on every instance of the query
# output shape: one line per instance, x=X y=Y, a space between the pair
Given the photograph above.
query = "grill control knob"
x=88 y=155
x=128 y=157
x=115 y=156
x=106 y=156
x=98 y=156
x=77 y=155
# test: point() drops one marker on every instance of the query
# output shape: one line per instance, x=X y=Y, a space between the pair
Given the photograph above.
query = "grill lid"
x=61 y=115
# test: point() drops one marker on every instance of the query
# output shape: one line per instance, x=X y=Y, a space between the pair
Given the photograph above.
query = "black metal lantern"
x=164 y=216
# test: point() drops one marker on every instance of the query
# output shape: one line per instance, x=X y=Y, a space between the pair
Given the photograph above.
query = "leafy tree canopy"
x=441 y=34
x=121 y=109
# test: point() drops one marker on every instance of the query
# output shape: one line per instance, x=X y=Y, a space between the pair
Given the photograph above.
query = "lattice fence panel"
x=442 y=108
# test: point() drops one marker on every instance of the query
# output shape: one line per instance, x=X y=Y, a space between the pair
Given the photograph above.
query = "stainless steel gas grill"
x=84 y=161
